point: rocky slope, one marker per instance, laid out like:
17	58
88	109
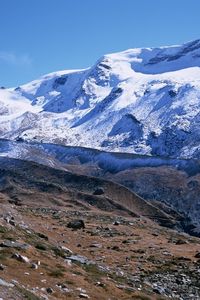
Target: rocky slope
143	101
110	252
172	182
19	180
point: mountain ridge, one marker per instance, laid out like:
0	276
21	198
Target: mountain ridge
172	182
143	101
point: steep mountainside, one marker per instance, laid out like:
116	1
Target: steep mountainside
175	183
143	101
19	180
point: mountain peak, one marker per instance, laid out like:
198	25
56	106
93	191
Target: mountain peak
157	88
160	59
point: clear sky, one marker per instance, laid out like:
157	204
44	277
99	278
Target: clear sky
42	36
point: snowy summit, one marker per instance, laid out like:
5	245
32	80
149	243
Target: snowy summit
144	101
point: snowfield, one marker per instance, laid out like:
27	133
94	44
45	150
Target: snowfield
142	101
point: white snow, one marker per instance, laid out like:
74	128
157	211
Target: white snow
144	101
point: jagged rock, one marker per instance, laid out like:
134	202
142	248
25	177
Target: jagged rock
166	253
155	234
10	220
63	287
76	224
12	244
42	236
158	290
34	266
98	192
84	296
49	290
96	245
6	284
21	258
116	248
80	259
116	223
180	242
67	250
2	267
101	284
197	255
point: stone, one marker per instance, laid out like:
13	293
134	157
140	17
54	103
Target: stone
159	290
67	250
68	261
34	266
63	287
155	234
2	267
76	224
12	222
180	242
80	259
101	284
197	255
116	223
42	236
116	248
12	244
21	258
98	192
49	290
5	283
7	219
84	296
96	245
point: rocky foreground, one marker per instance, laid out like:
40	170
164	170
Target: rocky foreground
77	252
69	236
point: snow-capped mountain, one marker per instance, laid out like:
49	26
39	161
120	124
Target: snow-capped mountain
144	101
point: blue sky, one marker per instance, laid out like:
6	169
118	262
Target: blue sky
41	36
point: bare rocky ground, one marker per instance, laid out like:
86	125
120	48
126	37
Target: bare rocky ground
115	254
113	257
